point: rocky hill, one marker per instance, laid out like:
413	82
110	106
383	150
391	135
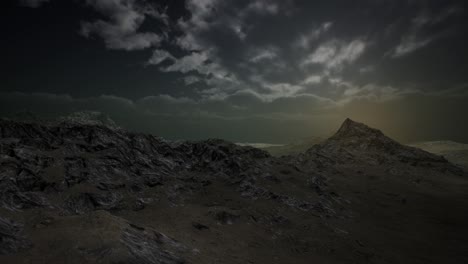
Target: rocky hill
75	192
357	143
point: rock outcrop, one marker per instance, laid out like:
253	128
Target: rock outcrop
87	192
357	143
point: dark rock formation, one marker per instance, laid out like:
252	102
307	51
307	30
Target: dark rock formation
87	192
357	143
11	237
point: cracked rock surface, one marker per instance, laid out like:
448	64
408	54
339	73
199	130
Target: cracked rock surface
81	192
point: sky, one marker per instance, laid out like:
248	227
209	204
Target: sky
270	71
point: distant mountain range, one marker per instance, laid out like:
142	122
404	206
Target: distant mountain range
452	151
76	118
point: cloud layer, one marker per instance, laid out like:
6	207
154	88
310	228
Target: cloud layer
270	60
279	121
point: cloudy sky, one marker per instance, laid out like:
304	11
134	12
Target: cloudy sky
248	71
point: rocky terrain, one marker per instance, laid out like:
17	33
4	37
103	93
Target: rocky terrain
81	192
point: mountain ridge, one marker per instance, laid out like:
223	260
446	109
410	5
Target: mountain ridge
110	195
357	142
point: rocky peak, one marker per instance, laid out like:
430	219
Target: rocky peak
356	142
350	129
355	135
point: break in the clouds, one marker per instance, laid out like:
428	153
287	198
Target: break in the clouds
309	56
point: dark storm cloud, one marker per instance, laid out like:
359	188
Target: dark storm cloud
124	18
301	62
420	34
282	48
278	50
